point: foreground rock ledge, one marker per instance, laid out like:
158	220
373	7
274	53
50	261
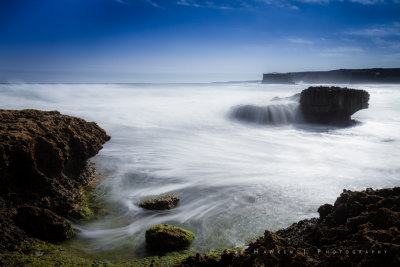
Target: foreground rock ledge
360	229
43	166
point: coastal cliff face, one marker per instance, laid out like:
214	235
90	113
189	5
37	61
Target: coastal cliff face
360	229
350	76
44	164
278	78
332	105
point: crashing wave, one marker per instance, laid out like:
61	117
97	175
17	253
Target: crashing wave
272	114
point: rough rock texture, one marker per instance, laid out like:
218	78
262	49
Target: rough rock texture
168	237
360	229
332	105
160	203
43	165
43	223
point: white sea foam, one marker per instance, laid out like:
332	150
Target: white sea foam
235	179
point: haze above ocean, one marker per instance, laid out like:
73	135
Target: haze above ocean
235	179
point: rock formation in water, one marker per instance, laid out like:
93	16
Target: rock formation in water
348	76
163	202
332	105
360	229
166	237
44	164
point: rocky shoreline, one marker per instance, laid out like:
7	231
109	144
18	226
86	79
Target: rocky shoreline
45	164
360	229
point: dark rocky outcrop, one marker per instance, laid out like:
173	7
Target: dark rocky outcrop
342	76
160	203
44	164
168	237
332	105
318	104
360	229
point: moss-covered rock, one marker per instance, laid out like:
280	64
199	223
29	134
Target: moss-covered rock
161	202
43	254
168	237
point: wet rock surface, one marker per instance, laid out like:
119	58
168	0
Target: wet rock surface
332	105
160	203
168	237
360	229
44	163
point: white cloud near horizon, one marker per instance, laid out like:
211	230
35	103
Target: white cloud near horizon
299	41
345	49
341	51
392	29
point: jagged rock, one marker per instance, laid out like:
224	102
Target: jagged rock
360	229
44	163
160	203
332	105
324	210
168	237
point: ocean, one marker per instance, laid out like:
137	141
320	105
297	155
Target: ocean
235	178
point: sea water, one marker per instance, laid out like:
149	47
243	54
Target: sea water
235	178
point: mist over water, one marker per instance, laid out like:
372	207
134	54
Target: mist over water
271	114
235	179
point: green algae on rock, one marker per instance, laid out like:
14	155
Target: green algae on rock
168	237
39	253
163	202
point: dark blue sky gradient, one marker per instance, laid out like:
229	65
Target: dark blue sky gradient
191	40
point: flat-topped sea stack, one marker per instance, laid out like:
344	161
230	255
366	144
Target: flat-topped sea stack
44	164
332	105
341	76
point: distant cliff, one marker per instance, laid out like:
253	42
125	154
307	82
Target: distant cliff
348	76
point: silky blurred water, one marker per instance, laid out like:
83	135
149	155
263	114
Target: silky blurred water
235	179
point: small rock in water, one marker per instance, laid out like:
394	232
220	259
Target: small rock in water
39	253
168	237
160	203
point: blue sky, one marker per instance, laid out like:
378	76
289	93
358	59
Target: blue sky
192	40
